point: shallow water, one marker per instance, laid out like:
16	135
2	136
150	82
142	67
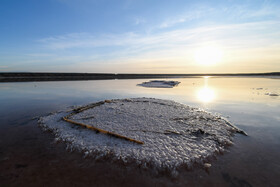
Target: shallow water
29	156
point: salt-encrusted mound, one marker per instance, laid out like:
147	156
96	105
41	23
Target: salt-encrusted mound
160	84
174	134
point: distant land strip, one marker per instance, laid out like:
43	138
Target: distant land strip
30	77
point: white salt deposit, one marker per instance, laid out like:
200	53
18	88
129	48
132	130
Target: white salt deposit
160	84
273	94
174	135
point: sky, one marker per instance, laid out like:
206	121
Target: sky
140	36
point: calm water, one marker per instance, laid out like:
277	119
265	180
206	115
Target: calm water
29	156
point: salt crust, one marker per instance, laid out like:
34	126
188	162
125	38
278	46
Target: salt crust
159	84
174	135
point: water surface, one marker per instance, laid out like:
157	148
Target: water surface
29	156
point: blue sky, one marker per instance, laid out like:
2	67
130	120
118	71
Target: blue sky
138	36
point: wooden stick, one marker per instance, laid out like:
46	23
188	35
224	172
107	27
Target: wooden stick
100	130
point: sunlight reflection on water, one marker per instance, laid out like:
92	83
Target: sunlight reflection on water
206	94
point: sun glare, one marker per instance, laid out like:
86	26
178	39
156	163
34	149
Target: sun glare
208	55
206	95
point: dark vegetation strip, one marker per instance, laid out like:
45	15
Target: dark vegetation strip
25	77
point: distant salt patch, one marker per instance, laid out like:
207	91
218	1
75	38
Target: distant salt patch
160	84
271	94
174	135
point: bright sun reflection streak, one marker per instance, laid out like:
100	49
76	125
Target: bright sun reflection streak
206	94
208	55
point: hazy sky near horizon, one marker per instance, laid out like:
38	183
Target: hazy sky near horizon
139	36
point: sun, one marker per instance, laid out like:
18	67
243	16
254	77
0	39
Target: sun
208	55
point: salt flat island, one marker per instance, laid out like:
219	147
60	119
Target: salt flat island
161	135
159	84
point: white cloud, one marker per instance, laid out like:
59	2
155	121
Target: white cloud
139	20
40	55
243	43
236	33
245	12
185	17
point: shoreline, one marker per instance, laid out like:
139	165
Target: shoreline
38	77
